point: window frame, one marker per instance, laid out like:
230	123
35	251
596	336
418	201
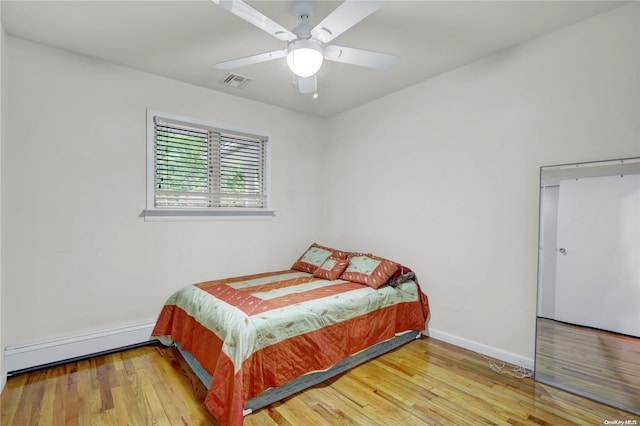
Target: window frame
153	213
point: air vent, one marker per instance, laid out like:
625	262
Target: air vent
236	81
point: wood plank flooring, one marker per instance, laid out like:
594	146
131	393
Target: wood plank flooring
594	363
424	382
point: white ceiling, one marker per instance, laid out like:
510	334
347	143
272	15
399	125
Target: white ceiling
183	40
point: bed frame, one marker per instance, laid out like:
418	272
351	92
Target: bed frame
308	380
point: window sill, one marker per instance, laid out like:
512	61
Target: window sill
190	215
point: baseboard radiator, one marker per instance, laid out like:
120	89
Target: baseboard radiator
18	359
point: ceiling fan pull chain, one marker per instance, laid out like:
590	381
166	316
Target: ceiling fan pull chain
315	89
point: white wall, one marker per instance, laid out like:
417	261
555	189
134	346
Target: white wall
2	311
77	254
444	175
548	253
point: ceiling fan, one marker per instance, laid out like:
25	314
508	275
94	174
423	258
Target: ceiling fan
307	47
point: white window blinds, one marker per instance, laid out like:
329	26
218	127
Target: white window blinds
201	167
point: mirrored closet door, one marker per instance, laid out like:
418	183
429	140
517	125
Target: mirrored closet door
588	325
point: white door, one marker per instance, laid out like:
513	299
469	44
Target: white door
598	254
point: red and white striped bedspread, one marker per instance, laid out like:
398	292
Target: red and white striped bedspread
259	331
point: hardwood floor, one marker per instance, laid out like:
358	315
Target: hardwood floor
424	382
594	363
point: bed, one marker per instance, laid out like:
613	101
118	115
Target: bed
258	338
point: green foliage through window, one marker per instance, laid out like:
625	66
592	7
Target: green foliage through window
204	168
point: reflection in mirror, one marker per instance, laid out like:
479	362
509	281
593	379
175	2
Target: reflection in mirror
588	325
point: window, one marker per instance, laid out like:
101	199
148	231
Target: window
199	170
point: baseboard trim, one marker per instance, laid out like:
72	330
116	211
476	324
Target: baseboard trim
18	358
481	348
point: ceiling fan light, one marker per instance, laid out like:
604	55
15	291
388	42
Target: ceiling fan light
304	58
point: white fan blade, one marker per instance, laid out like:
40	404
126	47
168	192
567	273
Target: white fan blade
307	84
253	16
250	60
364	58
345	16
